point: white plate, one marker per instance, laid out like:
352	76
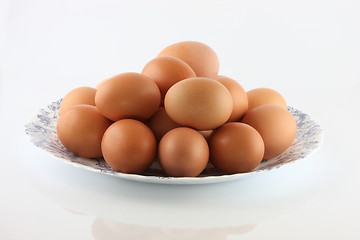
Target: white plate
42	133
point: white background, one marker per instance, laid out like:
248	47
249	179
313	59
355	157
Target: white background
307	50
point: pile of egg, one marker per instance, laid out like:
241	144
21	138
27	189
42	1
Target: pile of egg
180	110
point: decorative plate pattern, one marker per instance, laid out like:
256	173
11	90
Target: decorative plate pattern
42	132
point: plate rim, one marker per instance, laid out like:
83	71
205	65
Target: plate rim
176	180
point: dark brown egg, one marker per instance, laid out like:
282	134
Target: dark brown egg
183	152
206	133
236	148
128	146
80	130
161	123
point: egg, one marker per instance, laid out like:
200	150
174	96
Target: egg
276	126
80	95
166	71
206	133
183	152
239	96
180	112
128	95
128	146
263	96
200	57
161	123
101	83
200	103
81	128
236	148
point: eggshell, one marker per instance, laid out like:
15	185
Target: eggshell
128	95
276	126
161	123
128	146
81	95
200	57
81	128
262	96
166	71
101	83
200	103
236	148
206	133
239	96
183	152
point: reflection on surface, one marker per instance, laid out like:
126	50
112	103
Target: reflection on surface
131	210
110	230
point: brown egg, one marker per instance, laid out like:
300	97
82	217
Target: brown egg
200	103
161	123
81	95
236	148
276	126
128	146
206	134
101	83
183	152
128	95
239	96
200	57
263	96
166	71
80	130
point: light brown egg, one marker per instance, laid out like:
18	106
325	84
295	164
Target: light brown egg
276	126
183	152
81	95
239	96
200	103
101	83
200	57
236	148
80	130
263	96
166	71
128	146
128	95
161	123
